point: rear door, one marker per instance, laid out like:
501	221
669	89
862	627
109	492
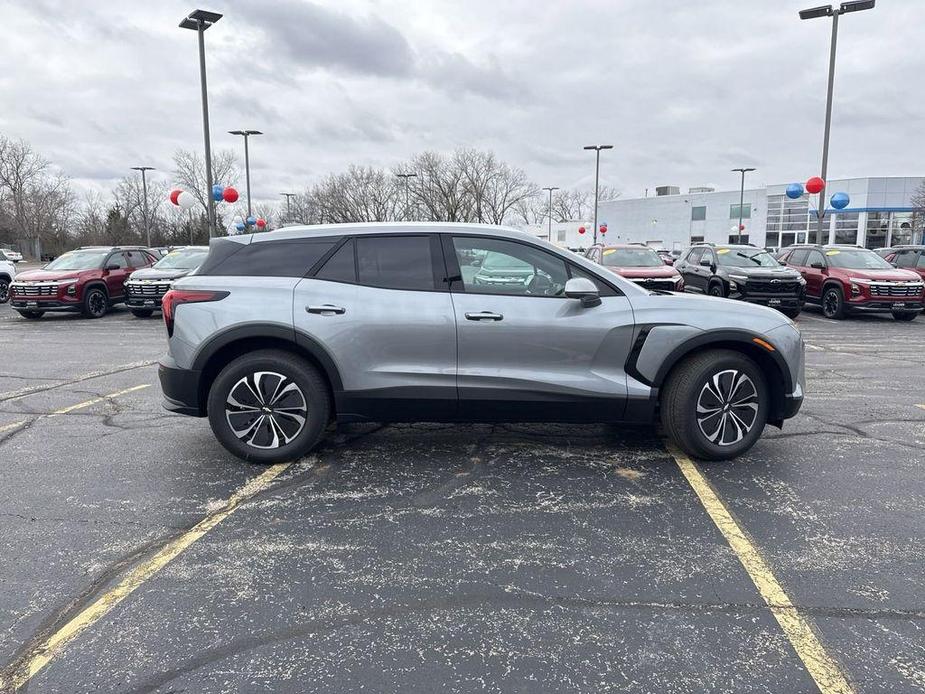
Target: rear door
526	352
379	306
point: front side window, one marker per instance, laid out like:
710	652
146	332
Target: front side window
921	262
138	259
118	260
856	259
798	257
631	257
906	259
395	262
695	255
815	257
88	259
496	266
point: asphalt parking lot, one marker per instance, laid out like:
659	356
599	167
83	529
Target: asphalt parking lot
138	556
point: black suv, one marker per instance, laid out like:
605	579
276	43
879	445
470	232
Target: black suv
743	272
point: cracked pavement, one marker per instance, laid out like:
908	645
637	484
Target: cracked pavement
456	558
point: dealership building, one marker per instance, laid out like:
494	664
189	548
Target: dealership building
880	213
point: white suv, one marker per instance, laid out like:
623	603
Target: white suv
7	275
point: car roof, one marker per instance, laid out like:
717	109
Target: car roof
371	228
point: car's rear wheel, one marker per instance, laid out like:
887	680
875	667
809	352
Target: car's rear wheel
32	315
269	406
905	315
715	405
833	302
96	303
142	312
4	291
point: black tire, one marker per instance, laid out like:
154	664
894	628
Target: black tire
4	291
791	312
905	315
96	303
716	289
690	385
142	312
32	315
257	444
833	302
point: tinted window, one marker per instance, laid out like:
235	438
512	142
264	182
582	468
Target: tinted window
495	266
815	257
798	257
906	259
694	256
137	259
708	255
340	267
273	258
117	259
395	262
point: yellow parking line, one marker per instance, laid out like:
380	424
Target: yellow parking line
921	407
11	426
822	668
46	651
87	403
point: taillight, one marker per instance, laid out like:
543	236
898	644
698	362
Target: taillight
175	297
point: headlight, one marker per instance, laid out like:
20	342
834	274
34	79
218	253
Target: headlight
855	289
739	278
801	281
859	280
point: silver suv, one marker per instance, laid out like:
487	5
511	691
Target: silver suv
278	334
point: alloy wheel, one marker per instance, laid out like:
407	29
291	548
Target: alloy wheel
727	407
96	303
266	410
4	292
830	303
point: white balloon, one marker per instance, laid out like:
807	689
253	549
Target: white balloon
238	220
186	200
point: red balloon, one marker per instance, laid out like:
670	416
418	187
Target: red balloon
814	185
230	195
603	228
174	194
741	227
261	223
581	230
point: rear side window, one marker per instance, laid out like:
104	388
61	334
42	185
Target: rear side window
395	262
273	258
798	257
340	267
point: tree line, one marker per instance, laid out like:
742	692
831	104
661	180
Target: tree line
41	211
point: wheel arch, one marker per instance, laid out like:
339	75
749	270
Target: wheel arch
224	348
94	284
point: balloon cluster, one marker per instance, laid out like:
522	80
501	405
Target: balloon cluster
186	200
241	224
813	186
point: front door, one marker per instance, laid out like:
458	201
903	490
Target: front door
525	351
380	308
115	278
814	276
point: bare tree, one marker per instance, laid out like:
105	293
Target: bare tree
190	172
361	194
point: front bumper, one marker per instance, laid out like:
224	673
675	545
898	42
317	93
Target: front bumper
883	306
151	302
180	388
45	305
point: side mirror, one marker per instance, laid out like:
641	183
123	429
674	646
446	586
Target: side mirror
706	262
583	289
818	266
112	266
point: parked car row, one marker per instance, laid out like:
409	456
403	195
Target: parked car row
92	279
10	255
840	279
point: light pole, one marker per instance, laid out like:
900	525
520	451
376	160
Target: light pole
597	176
199	21
741	201
288	197
247	162
550	189
404	177
834	13
144	192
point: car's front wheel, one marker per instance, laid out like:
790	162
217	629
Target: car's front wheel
96	303
715	405
905	315
833	303
269	406
4	291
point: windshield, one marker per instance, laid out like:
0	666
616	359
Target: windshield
88	259
738	257
631	257
856	259
182	259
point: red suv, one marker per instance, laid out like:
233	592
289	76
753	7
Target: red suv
639	264
846	279
88	280
906	258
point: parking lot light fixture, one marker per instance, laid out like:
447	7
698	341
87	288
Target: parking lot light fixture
597	171
743	171
550	189
144	204
834	13
288	197
199	21
247	161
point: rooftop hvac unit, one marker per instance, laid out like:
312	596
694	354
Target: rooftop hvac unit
667	190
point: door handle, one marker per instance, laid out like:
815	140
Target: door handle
326	310
484	315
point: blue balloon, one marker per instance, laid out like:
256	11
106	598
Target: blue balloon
252	220
217	191
239	226
840	201
794	190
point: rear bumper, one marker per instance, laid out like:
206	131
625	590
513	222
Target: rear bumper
180	388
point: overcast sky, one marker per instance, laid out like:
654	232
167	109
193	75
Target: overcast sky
683	90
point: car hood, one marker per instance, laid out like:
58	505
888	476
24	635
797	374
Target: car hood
665	271
152	273
47	275
705	312
781	273
894	275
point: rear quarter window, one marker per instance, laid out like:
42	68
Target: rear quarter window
270	258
